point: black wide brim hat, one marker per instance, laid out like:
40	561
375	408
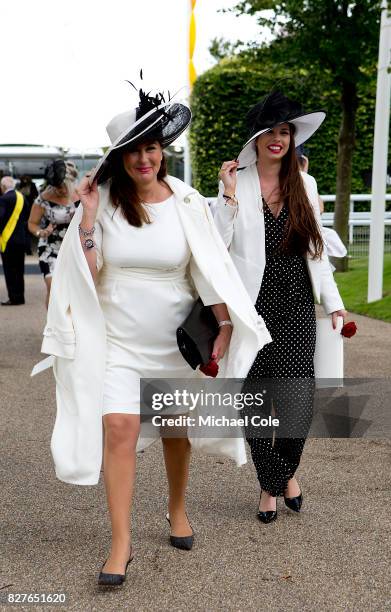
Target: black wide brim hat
274	110
153	119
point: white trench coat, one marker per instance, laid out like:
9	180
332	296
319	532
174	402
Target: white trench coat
243	232
76	338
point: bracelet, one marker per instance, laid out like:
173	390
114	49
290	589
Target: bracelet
86	233
38	233
222	323
88	244
232	198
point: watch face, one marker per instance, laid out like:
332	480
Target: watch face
89	244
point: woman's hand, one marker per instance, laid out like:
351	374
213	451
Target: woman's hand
221	343
89	195
44	233
227	175
336	314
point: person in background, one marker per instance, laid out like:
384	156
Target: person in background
27	186
51	215
12	240
302	158
333	243
268	216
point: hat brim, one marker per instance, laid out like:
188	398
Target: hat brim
139	131
306	125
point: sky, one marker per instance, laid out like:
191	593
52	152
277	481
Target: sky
67	62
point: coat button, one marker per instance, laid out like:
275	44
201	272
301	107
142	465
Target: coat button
187	200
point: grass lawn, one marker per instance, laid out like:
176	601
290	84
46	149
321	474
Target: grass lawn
353	287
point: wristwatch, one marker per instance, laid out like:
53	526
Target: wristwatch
88	244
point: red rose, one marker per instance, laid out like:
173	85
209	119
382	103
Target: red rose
210	369
349	329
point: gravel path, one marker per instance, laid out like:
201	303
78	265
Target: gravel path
335	555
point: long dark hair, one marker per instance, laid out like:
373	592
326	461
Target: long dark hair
123	191
302	233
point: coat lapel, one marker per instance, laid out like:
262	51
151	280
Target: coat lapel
196	225
210	253
252	230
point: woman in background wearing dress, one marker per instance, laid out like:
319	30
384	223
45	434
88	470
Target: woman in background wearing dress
51	215
268	216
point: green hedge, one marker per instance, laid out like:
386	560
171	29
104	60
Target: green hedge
222	96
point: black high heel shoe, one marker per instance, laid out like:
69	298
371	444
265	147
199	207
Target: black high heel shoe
294	503
267	516
181	542
105	579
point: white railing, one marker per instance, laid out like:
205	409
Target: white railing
355	218
358	239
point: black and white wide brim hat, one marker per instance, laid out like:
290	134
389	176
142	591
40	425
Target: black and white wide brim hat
152	119
276	109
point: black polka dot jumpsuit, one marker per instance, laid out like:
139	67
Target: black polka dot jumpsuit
286	303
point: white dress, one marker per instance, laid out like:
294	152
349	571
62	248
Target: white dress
145	294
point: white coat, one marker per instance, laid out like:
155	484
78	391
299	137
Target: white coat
243	231
75	335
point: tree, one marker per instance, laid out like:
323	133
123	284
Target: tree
222	96
220	48
338	36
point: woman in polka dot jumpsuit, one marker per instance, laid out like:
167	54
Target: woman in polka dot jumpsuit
284	226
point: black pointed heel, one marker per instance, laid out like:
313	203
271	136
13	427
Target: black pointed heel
267	516
181	542
105	579
294	503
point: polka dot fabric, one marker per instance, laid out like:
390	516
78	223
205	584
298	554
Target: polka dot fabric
286	303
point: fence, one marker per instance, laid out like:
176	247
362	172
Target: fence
359	224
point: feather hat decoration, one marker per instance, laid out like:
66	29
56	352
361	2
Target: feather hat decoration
146	101
155	118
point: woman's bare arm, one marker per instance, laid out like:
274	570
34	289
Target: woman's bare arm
89	198
86	224
34	222
222	341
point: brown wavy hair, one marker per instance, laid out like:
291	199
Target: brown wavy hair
123	191
302	233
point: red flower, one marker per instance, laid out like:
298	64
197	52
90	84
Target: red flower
349	329
210	369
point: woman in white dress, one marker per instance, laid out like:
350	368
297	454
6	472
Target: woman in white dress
134	242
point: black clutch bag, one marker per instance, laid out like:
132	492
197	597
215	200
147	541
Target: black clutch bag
196	335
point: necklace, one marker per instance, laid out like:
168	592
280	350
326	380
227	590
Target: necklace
159	190
274	207
155	203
